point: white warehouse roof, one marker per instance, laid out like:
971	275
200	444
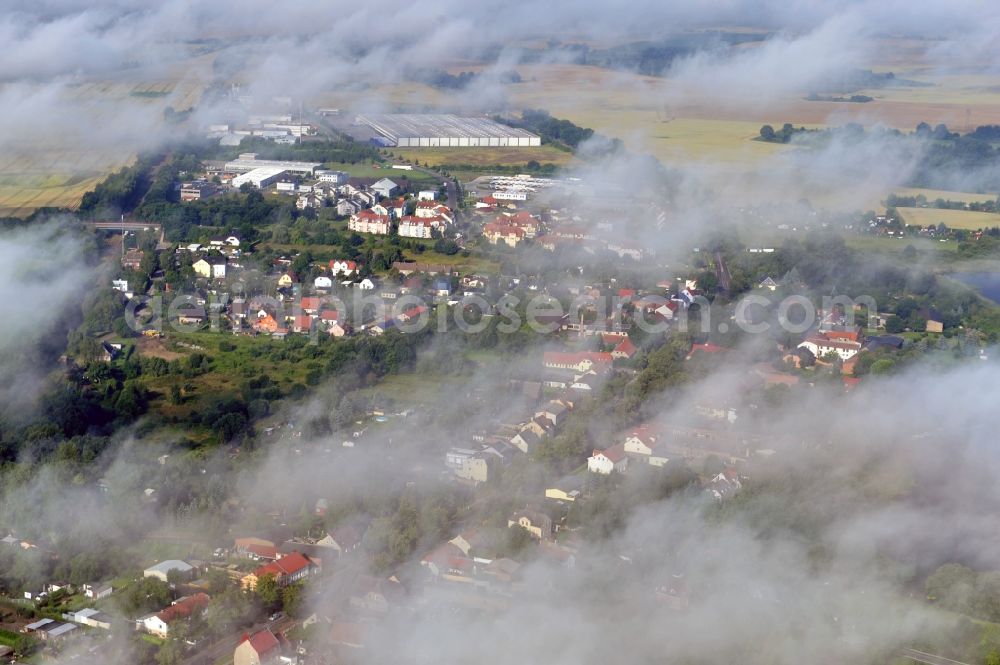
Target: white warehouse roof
428	129
258	176
165	567
251	164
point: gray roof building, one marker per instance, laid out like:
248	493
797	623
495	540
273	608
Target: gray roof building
385	187
162	569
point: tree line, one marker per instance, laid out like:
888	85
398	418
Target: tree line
943	159
559	131
439	78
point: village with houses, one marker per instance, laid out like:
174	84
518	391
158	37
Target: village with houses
500	333
718	442
595	401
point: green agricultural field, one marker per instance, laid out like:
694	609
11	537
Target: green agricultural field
480	157
470	163
361	170
887	245
954	219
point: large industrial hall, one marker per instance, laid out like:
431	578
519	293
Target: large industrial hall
406	130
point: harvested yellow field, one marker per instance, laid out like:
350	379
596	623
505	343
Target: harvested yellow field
955	219
20	195
935	194
53	172
565	90
632	106
403	95
964	89
52	178
687	139
616	104
662	117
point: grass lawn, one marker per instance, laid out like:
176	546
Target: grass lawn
166	543
955	219
479	157
897	245
76	602
483	356
316	250
249	357
369	170
471	263
119	583
412	388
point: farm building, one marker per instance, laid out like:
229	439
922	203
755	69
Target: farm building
162	570
406	130
385	188
90	617
49	630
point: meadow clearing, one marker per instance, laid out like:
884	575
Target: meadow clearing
545	154
896	246
375	170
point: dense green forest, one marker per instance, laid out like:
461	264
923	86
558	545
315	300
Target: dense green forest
121	190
